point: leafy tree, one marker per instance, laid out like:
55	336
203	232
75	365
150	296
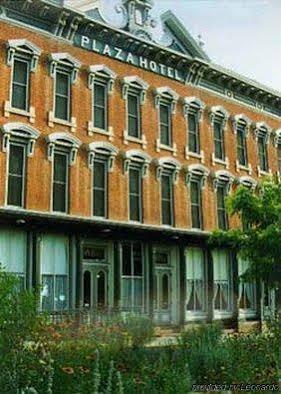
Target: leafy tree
259	238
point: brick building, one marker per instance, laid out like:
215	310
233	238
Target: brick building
117	153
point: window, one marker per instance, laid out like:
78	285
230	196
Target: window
221	208
262	150
241	146
60	182
219	140
133	115
13	253
20	84
196	204
132	280
193	133
167	199
100	188
135	192
247	291
222	282
100	105
279	157
165	124
54	273
16	178
134	92
62	95
195	282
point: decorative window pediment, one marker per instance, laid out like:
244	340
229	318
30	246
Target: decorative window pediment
223	178
218	113
165	93
19	131
261	129
167	164
102	148
64	61
24	48
136	83
241	121
65	141
193	105
136	157
196	172
277	138
249	182
100	71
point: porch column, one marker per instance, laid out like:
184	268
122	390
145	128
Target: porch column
182	284
210	286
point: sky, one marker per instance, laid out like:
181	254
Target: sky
243	35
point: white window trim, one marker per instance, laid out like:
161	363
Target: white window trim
137	84
26	51
198	315
261	129
59	62
193	105
166	95
219	112
167	164
237	120
249	182
17	132
101	73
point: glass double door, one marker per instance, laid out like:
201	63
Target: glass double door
95	287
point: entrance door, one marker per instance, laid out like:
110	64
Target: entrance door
162	288
95	283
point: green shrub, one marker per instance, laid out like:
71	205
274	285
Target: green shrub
140	330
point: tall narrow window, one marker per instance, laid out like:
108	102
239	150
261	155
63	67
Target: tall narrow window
100	188
195	282
165	124
222	282
60	182
193	133
135	191
133	115
100	105
196	203
241	146
219	140
132	277
62	95
167	199
247	291
262	150
20	84
279	157
16	178
221	208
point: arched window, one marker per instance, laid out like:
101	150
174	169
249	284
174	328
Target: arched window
193	109
18	142
62	152
136	166
166	101
218	118
101	157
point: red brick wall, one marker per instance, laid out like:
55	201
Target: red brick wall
39	168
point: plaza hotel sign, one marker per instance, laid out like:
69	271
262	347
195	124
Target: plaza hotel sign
128	57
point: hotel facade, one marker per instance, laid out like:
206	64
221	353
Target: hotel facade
117	153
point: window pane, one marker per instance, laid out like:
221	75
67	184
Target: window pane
61	292
19	97
126	260
165	185
60	167
222	215
99	203
165	125
262	153
99	118
218	139
164	114
47	293
195	300
16	175
62	96
133	127
99	95
62	84
99	174
60	187
100	188
222	281
133	105
193	137
59	199
61	111
137	259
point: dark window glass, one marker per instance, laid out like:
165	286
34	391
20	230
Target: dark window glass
100	106
135	194
262	148
196	204
20	91
60	182
62	100
167	199
165	124
219	140
241	147
100	188
133	115
221	208
16	175
193	133
279	157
